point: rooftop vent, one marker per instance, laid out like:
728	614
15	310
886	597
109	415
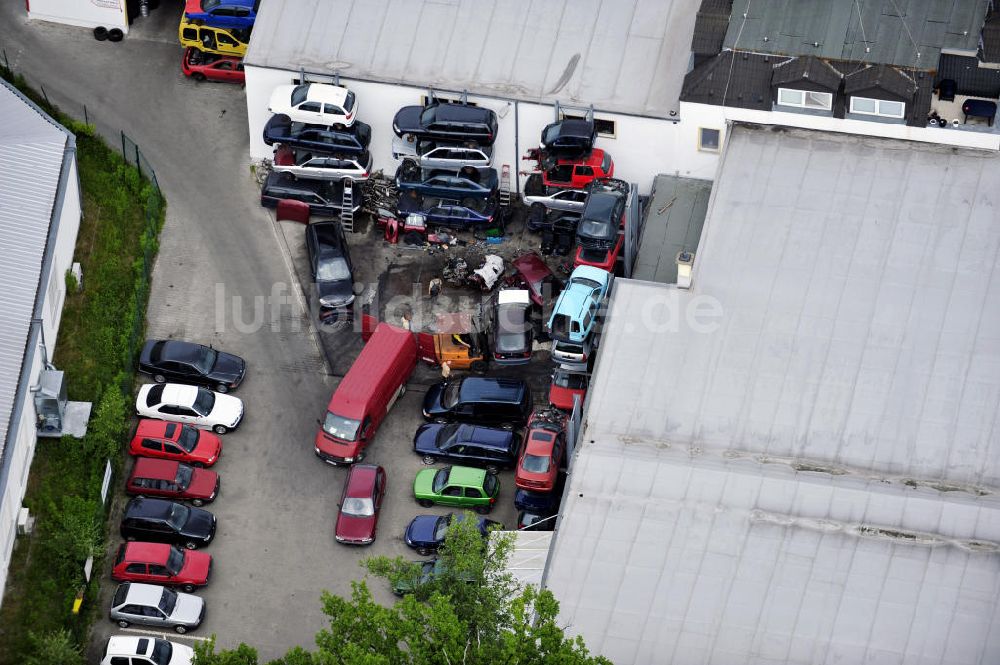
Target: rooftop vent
685	261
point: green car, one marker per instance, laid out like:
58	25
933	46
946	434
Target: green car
457	486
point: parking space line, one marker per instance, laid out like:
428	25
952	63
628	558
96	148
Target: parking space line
166	636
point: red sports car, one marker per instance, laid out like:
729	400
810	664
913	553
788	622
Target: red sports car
173	441
577	173
158	563
565	385
360	504
599	258
542	453
172	480
201	66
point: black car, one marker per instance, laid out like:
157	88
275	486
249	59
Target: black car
330	263
602	214
426	533
161	521
467	186
535	521
186	362
482	400
572	138
316	138
469	445
447	122
447	212
325	197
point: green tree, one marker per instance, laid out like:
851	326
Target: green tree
54	648
205	654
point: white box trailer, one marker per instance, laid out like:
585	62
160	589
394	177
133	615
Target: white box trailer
85	13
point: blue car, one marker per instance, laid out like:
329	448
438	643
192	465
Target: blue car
468	183
468	445
575	313
426	532
238	14
353	140
444	212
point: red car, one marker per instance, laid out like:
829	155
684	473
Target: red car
172	480
360	504
577	173
158	563
542	452
599	258
565	385
173	441
541	284
201	66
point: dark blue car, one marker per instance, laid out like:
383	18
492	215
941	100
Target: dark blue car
239	14
468	445
426	532
444	212
353	140
469	183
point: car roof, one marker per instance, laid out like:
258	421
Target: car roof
480	388
158	429
513	297
590	272
486	436
574	299
178	350
463	113
360	479
147	507
532	266
178	393
326	93
576	127
144	594
467	476
152	467
328	232
149	552
119	645
535	445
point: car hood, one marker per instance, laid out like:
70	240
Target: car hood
203	483
196	565
277	129
209	446
200	524
188	609
423	484
432	400
425	439
228	368
182	655
355	528
228	410
407	120
281	98
334	293
420	532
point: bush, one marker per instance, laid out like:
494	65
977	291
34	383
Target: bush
54	648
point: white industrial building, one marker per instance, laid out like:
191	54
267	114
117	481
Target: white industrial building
797	459
626	58
39	219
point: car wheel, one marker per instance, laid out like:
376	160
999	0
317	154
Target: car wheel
180	630
222	388
197	502
115	35
159	378
123	624
492	469
187	588
198	76
429	459
479	366
191	546
100	33
220	429
425	503
423	551
483	510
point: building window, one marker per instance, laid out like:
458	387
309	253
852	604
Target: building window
605	128
879	107
708	139
425	100
804	99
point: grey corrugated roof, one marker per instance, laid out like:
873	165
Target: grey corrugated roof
816	479
807	68
628	56
882	77
674	219
31	156
907	33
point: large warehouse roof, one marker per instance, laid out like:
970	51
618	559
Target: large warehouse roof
628	56
31	157
797	460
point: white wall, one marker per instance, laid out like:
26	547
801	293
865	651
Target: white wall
85	13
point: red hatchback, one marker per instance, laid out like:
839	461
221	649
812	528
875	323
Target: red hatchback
173	441
172	480
201	66
577	173
565	385
360	504
542	453
605	259
158	563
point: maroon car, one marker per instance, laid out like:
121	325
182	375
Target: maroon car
200	66
360	504
542	285
172	480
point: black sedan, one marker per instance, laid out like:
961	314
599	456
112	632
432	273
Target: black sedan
186	362
161	521
470	445
469	183
446	212
447	122
353	140
603	214
426	532
332	270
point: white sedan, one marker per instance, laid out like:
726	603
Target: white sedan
315	104
189	404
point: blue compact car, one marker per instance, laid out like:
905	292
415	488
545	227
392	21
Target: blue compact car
238	14
426	532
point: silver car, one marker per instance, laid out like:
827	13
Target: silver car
431	155
154	605
572	356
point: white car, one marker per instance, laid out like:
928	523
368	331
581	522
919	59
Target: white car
304	164
432	155
189	404
315	104
566	200
145	650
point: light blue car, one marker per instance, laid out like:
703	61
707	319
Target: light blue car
575	313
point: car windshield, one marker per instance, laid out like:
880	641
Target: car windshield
358	507
163	651
175	561
342	428
168	601
188	440
299	94
551	133
179	514
445	435
183	478
594	228
589	283
511	342
349	101
567	380
440	480
204	402
451	393
441	528
206	360
332	270
208	5
428	115
535	464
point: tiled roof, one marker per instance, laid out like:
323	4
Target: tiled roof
807	68
880	77
732	78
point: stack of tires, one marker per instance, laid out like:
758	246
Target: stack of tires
103	34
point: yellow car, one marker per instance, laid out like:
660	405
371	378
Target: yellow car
222	41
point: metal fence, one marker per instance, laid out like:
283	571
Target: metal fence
133	155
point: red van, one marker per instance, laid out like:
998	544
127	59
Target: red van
365	394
